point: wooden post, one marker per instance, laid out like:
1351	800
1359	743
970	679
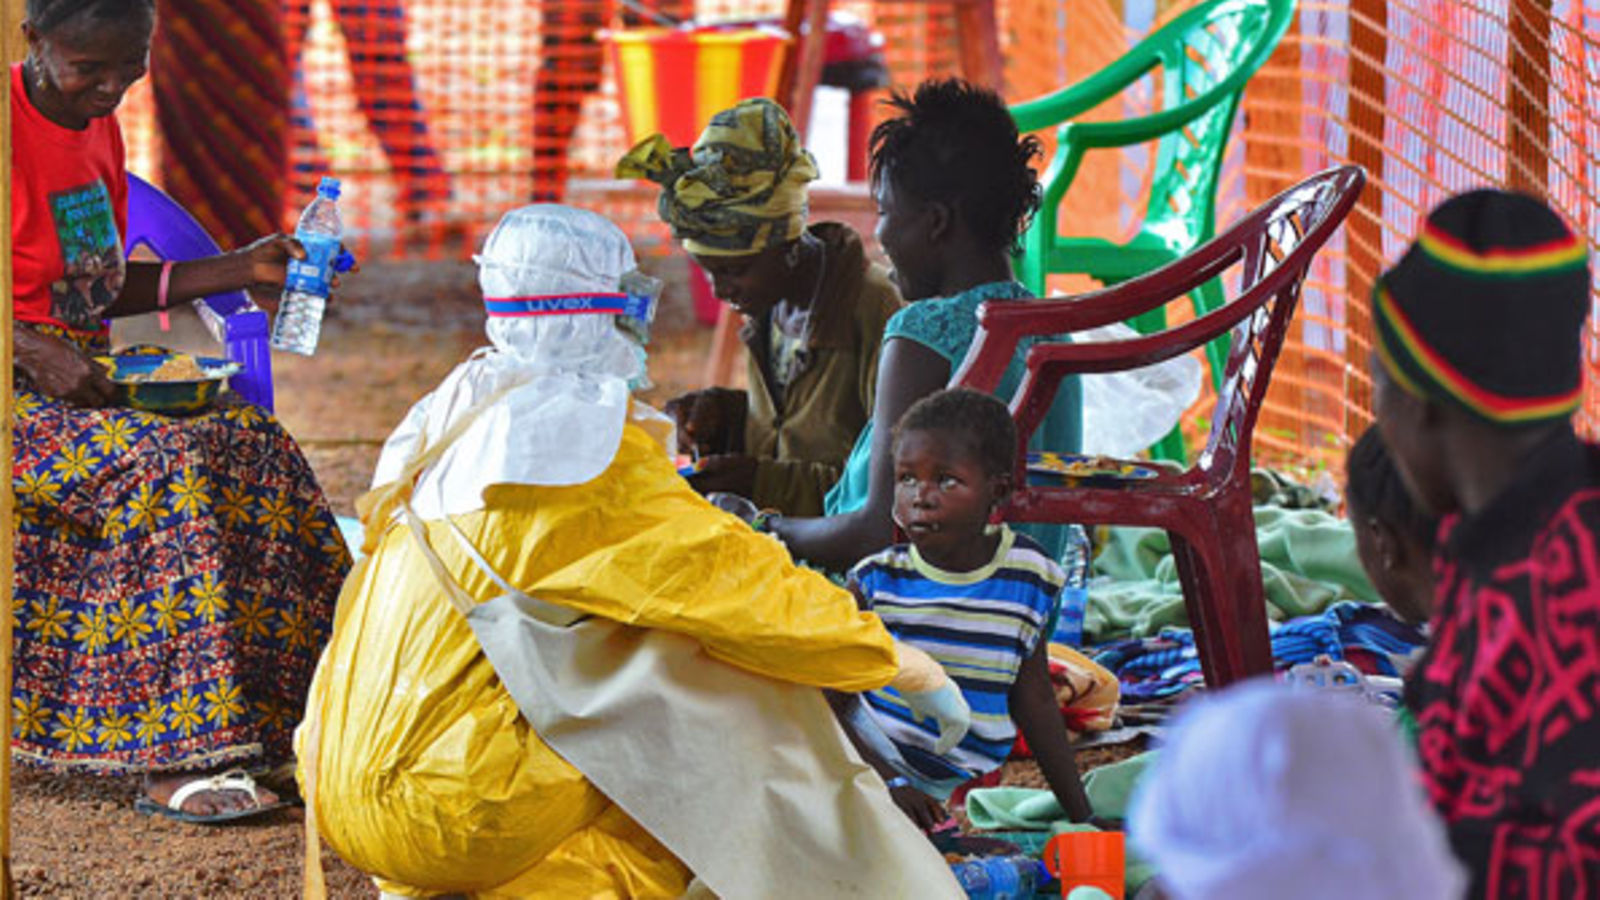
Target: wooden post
13	48
981	63
1369	44
1528	52
797	84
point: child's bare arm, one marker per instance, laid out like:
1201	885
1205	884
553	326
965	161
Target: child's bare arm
863	602
1033	708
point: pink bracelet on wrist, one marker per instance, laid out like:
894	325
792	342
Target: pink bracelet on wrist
161	294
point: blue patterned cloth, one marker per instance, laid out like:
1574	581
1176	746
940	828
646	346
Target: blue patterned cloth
1365	635
175	582
947	326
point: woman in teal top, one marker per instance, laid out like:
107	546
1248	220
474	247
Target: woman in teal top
955	187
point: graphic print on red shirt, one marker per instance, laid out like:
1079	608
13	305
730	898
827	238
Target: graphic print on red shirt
69	210
91	249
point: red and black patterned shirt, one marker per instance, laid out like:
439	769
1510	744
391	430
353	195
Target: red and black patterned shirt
1507	696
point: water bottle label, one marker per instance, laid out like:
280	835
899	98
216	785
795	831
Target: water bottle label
311	275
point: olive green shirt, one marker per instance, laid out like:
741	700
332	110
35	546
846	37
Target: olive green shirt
801	441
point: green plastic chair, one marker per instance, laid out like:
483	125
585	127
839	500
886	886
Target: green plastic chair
1206	56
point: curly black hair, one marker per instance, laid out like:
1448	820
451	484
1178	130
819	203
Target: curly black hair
1373	487
954	142
47	16
979	419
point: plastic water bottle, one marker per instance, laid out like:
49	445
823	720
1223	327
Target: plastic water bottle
1000	878
305	289
1075	592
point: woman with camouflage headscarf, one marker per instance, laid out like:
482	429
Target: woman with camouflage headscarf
814	308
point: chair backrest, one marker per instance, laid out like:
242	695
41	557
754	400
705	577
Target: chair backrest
159	224
1207	57
1273	246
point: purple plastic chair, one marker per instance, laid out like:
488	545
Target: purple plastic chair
158	223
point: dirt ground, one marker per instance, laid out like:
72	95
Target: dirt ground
396	330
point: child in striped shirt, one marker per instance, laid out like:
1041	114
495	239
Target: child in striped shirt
979	598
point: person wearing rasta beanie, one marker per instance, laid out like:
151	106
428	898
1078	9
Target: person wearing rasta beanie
1477	370
1486	309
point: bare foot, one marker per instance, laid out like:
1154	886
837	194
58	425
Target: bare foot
205	802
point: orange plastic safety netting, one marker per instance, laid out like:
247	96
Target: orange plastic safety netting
441	114
1432	97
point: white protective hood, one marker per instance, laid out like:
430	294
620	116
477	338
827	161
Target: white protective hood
551	396
1265	791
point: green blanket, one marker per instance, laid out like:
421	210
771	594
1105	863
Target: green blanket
1308	563
1017	812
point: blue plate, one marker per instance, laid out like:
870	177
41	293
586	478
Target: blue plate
171	397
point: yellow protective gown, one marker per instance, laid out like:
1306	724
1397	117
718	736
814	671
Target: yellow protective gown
428	777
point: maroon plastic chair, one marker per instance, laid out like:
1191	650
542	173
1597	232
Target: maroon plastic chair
1205	509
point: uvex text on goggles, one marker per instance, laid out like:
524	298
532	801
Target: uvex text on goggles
633	304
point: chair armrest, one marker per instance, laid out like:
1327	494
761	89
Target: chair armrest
1052	360
1118	303
1001	326
1140	129
1074	100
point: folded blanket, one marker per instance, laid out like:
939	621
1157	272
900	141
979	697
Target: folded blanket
1308	563
1086	691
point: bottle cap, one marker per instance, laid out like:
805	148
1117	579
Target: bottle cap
329	187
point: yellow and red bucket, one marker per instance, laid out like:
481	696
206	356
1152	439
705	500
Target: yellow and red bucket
673	80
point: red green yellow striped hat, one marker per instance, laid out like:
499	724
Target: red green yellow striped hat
1486	310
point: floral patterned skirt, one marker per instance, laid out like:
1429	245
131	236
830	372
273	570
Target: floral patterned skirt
175	582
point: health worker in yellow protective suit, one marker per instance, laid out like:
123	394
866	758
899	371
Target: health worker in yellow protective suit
559	672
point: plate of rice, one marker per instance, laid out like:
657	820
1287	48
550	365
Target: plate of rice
165	382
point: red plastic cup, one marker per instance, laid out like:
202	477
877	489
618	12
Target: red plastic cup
1087	858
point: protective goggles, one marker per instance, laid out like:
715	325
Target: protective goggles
633	304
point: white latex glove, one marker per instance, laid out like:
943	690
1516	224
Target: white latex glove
945	706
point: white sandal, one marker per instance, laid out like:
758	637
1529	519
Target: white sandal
237	780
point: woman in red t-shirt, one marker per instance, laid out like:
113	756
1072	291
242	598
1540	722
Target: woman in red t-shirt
175	577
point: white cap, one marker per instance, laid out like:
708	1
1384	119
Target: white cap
1269	791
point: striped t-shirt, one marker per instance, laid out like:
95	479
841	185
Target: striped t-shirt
979	625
